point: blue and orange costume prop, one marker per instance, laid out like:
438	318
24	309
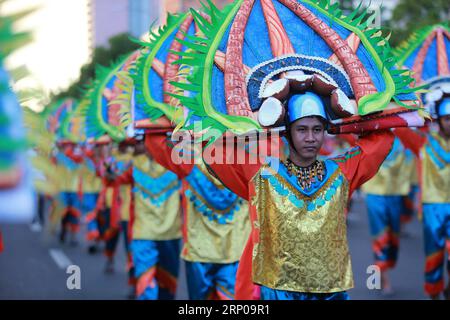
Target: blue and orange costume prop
215	227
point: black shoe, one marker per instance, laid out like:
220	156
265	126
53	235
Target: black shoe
92	249
132	294
62	236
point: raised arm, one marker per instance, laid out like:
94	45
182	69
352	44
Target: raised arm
411	139
125	178
70	153
236	163
161	149
362	162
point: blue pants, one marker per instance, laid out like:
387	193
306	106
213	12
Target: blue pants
72	211
211	281
436	229
156	265
384	222
89	202
273	294
88	210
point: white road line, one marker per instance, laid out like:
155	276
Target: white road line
60	258
36	227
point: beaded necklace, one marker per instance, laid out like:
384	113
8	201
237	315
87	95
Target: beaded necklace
306	176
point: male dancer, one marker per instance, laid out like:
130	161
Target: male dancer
216	223
298	247
385	200
156	230
433	150
92	185
69	159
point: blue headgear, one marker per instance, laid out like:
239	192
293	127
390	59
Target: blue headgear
443	109
306	105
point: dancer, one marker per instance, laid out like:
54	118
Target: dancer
434	151
216	222
385	200
302	252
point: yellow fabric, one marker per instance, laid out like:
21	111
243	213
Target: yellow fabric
392	179
414	173
125	195
48	184
153	222
435	181
123	157
125	190
91	183
300	250
70	179
109	196
211	242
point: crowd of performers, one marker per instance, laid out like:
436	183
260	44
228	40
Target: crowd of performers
272	226
164	210
133	190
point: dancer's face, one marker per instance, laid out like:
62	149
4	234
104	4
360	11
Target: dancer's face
444	125
307	136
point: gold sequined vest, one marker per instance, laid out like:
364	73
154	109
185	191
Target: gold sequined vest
217	220
302	238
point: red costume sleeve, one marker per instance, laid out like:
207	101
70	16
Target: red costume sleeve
78	158
160	148
124	178
411	140
349	138
235	166
237	176
362	162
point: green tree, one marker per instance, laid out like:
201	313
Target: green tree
410	15
118	46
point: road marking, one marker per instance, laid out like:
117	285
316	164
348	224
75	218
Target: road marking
36	227
60	258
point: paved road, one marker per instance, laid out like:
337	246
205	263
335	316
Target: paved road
33	265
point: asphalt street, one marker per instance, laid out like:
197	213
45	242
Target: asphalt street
34	264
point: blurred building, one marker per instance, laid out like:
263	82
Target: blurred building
109	18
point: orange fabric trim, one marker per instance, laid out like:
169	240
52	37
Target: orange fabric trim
166	280
147	279
434	261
